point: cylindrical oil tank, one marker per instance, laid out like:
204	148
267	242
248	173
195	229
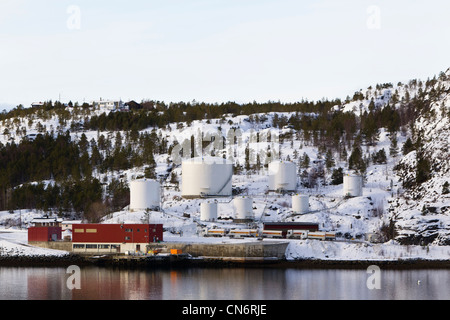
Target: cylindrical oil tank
243	208
300	203
353	184
282	176
210	176
208	211
144	194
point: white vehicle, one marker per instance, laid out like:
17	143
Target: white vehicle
330	235
317	235
297	234
272	234
241	233
214	233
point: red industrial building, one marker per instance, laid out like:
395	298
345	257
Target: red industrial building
115	238
44	234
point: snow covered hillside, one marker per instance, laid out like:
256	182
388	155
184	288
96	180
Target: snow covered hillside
394	206
422	213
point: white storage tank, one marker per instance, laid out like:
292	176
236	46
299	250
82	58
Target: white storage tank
208	211
353	184
144	194
282	176
300	203
210	176
243	208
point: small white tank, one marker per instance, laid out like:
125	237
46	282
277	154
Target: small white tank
300	203
353	184
243	208
208	211
144	194
282	176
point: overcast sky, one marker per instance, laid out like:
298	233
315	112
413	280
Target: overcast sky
215	50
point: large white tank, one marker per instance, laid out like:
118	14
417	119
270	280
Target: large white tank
282	176
144	194
300	203
206	177
353	184
243	208
208	211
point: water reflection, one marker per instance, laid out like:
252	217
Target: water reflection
221	284
33	284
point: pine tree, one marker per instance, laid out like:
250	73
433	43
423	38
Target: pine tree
304	161
393	149
356	161
337	177
423	168
83	144
174	178
445	188
408	146
149	172
247	158
369	128
329	161
379	157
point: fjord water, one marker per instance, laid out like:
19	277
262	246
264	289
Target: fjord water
221	284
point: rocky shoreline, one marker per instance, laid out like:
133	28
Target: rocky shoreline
174	262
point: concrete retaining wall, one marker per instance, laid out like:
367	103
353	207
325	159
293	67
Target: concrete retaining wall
222	250
239	250
55	245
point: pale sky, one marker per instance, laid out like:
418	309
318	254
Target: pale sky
215	50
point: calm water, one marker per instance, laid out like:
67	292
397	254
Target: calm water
221	284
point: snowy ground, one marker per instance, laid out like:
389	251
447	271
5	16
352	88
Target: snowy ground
13	242
352	218
348	251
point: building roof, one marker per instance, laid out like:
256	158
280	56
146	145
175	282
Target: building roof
71	221
290	223
44	219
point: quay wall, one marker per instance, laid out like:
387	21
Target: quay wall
238	250
234	250
54	245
